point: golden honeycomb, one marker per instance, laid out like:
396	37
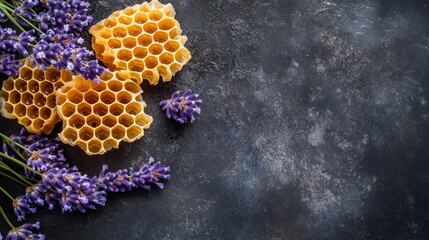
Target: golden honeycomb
97	117
143	41
30	97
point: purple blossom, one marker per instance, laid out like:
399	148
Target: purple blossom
21	206
9	65
182	107
25	232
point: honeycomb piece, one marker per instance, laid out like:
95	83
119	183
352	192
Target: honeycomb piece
97	117
143	41
30	97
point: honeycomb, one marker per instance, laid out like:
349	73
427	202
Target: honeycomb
30	97
97	117
143	41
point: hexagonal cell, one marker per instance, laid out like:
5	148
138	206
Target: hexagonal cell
116	109
145	7
82	85
155	15
84	109
38	74
171	46
151	62
20	110
118	132
86	133
66	89
134	132
32	112
100	109
134	30
164	72
141	120
66	75
174	32
45	113
39	99
52	75
91	97
99	87
94	146
109	121
38	124
134	108
119	32
155	49
136	65
70	134
114	43
74	96
15	97
150	27
93	121
110	22
109	144
33	86
126	120
8	85
51	102
140	17
140	52
125	54
8	107
125	20
132	87
129	11
166	58
68	109
107	97
144	39
26	73
148	74
58	85
76	121
115	85
124	97
26	122
166	24
175	67
181	56
129	42
102	133
106	33
46	87
21	85
81	144
160	36
121	64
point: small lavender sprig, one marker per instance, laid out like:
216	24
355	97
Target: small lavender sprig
25	232
182	107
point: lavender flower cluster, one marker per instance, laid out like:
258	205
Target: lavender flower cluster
24	232
60	24
69	188
182	107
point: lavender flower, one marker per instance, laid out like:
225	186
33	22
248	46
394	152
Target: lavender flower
21	206
182	107
8	64
24	232
10	43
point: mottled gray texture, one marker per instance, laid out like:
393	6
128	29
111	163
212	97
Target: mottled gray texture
315	125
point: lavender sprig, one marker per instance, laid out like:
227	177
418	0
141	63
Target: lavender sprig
25	232
182	107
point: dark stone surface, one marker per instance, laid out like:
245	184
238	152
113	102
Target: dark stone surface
315	125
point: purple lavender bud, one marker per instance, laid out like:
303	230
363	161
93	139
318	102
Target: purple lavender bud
21	206
36	194
181	108
24	232
9	65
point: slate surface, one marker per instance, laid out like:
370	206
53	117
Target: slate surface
315	125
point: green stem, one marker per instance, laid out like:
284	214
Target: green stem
19	163
6	218
8	4
3	8
13	178
17	144
22	18
14	149
4	166
6	193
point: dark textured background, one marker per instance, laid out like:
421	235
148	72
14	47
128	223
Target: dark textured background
315	125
